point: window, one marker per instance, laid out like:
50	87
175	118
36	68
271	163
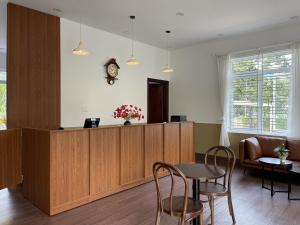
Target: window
260	92
2	100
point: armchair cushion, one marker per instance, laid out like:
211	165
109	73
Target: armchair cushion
268	144
294	149
253	148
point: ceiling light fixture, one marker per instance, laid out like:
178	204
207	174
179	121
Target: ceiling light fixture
80	51
168	68
179	14
56	10
132	61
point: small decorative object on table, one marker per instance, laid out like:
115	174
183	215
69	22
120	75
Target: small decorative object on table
128	112
282	152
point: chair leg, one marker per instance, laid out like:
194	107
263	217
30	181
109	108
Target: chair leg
230	206
181	221
212	209
201	219
245	169
157	221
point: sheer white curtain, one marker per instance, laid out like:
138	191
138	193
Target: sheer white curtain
294	104
224	87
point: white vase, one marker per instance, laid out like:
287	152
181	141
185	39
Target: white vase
282	159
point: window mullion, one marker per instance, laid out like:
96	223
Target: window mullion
260	94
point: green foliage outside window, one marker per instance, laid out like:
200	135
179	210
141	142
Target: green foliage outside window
2	106
2	100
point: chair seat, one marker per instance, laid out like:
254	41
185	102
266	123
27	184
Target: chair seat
193	207
212	188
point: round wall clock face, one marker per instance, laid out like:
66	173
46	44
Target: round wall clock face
112	70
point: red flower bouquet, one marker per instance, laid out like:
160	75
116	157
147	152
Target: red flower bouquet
128	112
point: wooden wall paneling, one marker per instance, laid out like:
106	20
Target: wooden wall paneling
132	154
172	143
36	167
154	146
104	160
33	69
69	169
10	158
187	142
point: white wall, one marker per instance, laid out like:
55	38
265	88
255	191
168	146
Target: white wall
84	90
194	89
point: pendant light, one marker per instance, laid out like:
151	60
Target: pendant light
168	68
132	61
80	51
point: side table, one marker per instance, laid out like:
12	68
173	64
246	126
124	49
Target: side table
295	171
273	162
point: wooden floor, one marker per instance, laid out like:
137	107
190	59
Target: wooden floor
252	205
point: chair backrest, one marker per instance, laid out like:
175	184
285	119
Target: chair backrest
229	161
171	170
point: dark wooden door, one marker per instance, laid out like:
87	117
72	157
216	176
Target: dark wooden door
158	101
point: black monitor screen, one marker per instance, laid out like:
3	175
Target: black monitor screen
91	122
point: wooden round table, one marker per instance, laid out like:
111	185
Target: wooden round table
273	162
197	171
295	171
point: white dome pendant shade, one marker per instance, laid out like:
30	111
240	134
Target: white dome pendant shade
132	61
80	51
168	68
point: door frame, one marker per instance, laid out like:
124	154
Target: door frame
166	95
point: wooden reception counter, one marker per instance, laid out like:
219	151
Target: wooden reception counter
64	169
10	158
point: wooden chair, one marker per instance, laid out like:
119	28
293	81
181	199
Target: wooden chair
179	206
213	189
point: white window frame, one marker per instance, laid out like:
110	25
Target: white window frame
259	74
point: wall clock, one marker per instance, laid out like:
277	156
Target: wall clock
112	71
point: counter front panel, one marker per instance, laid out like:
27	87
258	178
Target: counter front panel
82	165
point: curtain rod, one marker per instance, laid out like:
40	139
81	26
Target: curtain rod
258	48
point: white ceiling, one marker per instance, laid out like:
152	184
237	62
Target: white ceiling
203	19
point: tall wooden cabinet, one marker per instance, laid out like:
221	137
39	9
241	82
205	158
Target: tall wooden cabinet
33	68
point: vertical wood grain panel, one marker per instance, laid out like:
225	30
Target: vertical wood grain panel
172	143
33	69
10	158
104	160
154	146
69	167
132	154
36	167
187	142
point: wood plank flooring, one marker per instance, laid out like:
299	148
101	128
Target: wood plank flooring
137	206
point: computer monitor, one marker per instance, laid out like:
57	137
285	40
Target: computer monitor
91	122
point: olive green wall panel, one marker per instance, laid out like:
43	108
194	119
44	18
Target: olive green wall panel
208	135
